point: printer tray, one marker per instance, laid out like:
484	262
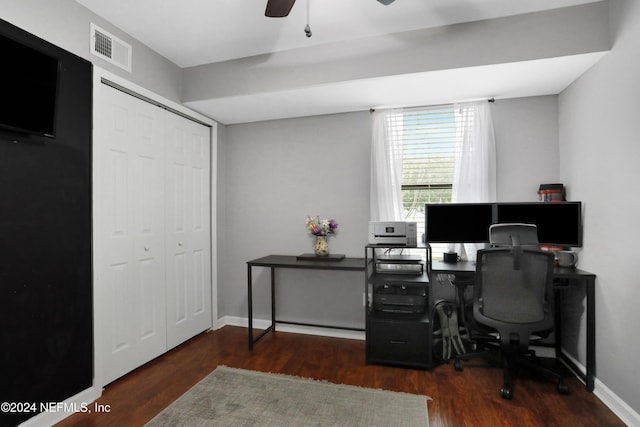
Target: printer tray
400	299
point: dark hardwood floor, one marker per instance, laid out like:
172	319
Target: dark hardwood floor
468	398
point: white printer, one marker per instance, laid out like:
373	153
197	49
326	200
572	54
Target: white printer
393	233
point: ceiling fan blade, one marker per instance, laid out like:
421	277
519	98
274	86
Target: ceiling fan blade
386	2
278	8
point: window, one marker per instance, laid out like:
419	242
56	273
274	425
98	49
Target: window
429	144
432	155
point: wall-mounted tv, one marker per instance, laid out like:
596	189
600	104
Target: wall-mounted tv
458	222
28	89
559	223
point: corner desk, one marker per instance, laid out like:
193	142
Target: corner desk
563	277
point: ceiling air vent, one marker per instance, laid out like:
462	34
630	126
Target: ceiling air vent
110	48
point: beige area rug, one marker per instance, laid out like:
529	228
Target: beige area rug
237	397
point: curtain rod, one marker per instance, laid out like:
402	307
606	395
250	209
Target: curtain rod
491	100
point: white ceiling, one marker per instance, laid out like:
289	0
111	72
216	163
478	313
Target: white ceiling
196	32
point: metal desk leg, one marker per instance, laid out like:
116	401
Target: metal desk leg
250	304
589	376
557	321
272	327
591	332
273	298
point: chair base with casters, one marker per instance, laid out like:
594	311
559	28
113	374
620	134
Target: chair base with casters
511	360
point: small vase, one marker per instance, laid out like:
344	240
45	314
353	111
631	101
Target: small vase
321	248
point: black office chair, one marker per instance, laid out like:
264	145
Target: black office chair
513	295
500	235
514	234
503	234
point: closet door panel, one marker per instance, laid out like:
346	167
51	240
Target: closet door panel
200	228
131	317
188	236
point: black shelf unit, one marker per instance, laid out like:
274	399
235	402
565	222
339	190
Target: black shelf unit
398	306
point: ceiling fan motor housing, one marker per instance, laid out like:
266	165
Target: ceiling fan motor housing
281	8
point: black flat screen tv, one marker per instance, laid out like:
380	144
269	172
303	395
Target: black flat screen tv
559	223
458	222
28	89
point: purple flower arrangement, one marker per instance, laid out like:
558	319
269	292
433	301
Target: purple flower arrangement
321	227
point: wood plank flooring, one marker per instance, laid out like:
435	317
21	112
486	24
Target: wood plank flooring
459	399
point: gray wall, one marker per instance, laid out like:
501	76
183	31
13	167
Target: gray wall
599	154
526	146
278	172
65	23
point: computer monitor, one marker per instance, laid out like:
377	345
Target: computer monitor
559	223
458	222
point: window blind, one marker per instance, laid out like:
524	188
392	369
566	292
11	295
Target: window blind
429	144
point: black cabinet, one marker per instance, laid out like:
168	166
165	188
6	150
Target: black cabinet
46	293
399	340
399	305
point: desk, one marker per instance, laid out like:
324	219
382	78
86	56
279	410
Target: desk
287	261
563	277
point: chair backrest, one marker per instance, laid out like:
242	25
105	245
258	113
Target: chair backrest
513	234
516	298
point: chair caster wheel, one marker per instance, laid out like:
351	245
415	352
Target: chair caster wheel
457	365
563	388
506	393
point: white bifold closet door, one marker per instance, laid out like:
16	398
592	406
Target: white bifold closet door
188	238
153	278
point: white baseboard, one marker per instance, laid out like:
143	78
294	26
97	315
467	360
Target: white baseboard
58	411
617	405
297	329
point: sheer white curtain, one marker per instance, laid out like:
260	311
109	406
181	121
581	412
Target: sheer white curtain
474	178
386	167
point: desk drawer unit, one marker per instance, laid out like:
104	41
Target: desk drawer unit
399	340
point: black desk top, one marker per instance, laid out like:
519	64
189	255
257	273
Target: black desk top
439	266
357	264
291	261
